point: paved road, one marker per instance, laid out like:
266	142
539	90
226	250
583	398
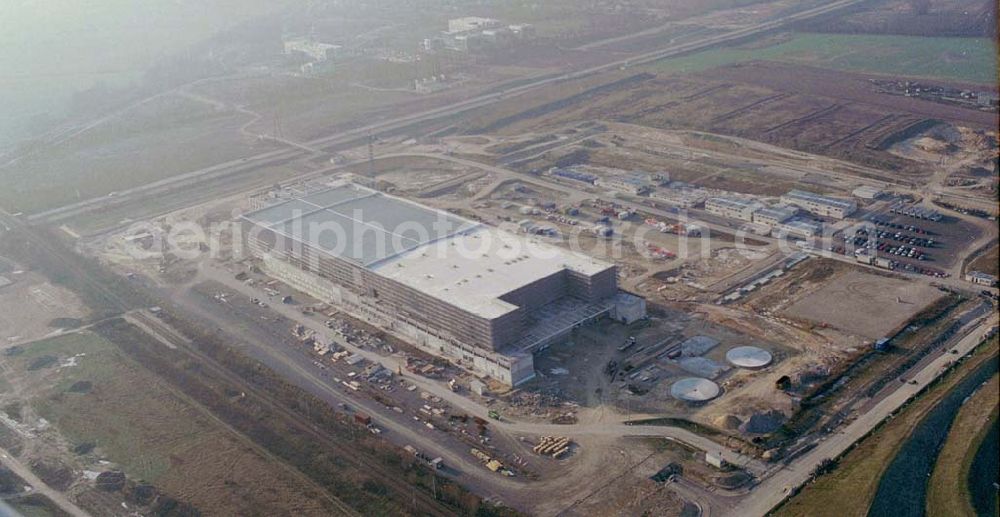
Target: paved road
775	488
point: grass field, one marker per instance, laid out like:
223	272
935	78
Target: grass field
850	488
948	491
957	59
94	394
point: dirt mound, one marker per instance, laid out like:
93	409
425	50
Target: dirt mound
81	387
734	480
931	145
142	494
728	422
764	422
84	447
111	481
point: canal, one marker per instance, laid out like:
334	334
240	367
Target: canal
902	491
983	475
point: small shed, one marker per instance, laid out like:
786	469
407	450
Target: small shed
477	386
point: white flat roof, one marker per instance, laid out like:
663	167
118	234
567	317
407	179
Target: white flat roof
473	269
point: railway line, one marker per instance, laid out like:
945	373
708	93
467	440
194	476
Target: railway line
428	504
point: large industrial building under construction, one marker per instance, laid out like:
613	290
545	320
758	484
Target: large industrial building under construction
454	287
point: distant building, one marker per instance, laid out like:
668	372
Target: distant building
471	23
867	192
978	277
522	31
628	308
682	198
773	216
715	460
820	205
798	228
634	184
733	208
573	174
314	50
987	99
498	37
473	34
488	310
477	386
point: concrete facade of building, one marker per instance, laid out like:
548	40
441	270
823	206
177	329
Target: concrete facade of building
314	50
867	192
798	228
681	198
471	23
978	277
820	205
634	184
773	216
733	208
459	288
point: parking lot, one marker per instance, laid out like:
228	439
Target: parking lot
384	402
922	242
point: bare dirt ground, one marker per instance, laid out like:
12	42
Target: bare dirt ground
864	304
31	307
630	491
813	114
963	159
848	87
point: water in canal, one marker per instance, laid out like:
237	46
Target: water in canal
902	491
983	475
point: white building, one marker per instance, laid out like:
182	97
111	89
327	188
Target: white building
482	297
683	198
798	228
733	208
867	192
313	49
471	23
522	30
978	277
820	205
634	184
773	216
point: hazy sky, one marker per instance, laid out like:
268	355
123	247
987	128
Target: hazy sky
50	48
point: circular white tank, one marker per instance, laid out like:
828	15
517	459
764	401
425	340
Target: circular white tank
749	357
694	389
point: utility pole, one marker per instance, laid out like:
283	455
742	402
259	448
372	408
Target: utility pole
371	154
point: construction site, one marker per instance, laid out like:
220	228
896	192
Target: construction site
734	336
635	278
